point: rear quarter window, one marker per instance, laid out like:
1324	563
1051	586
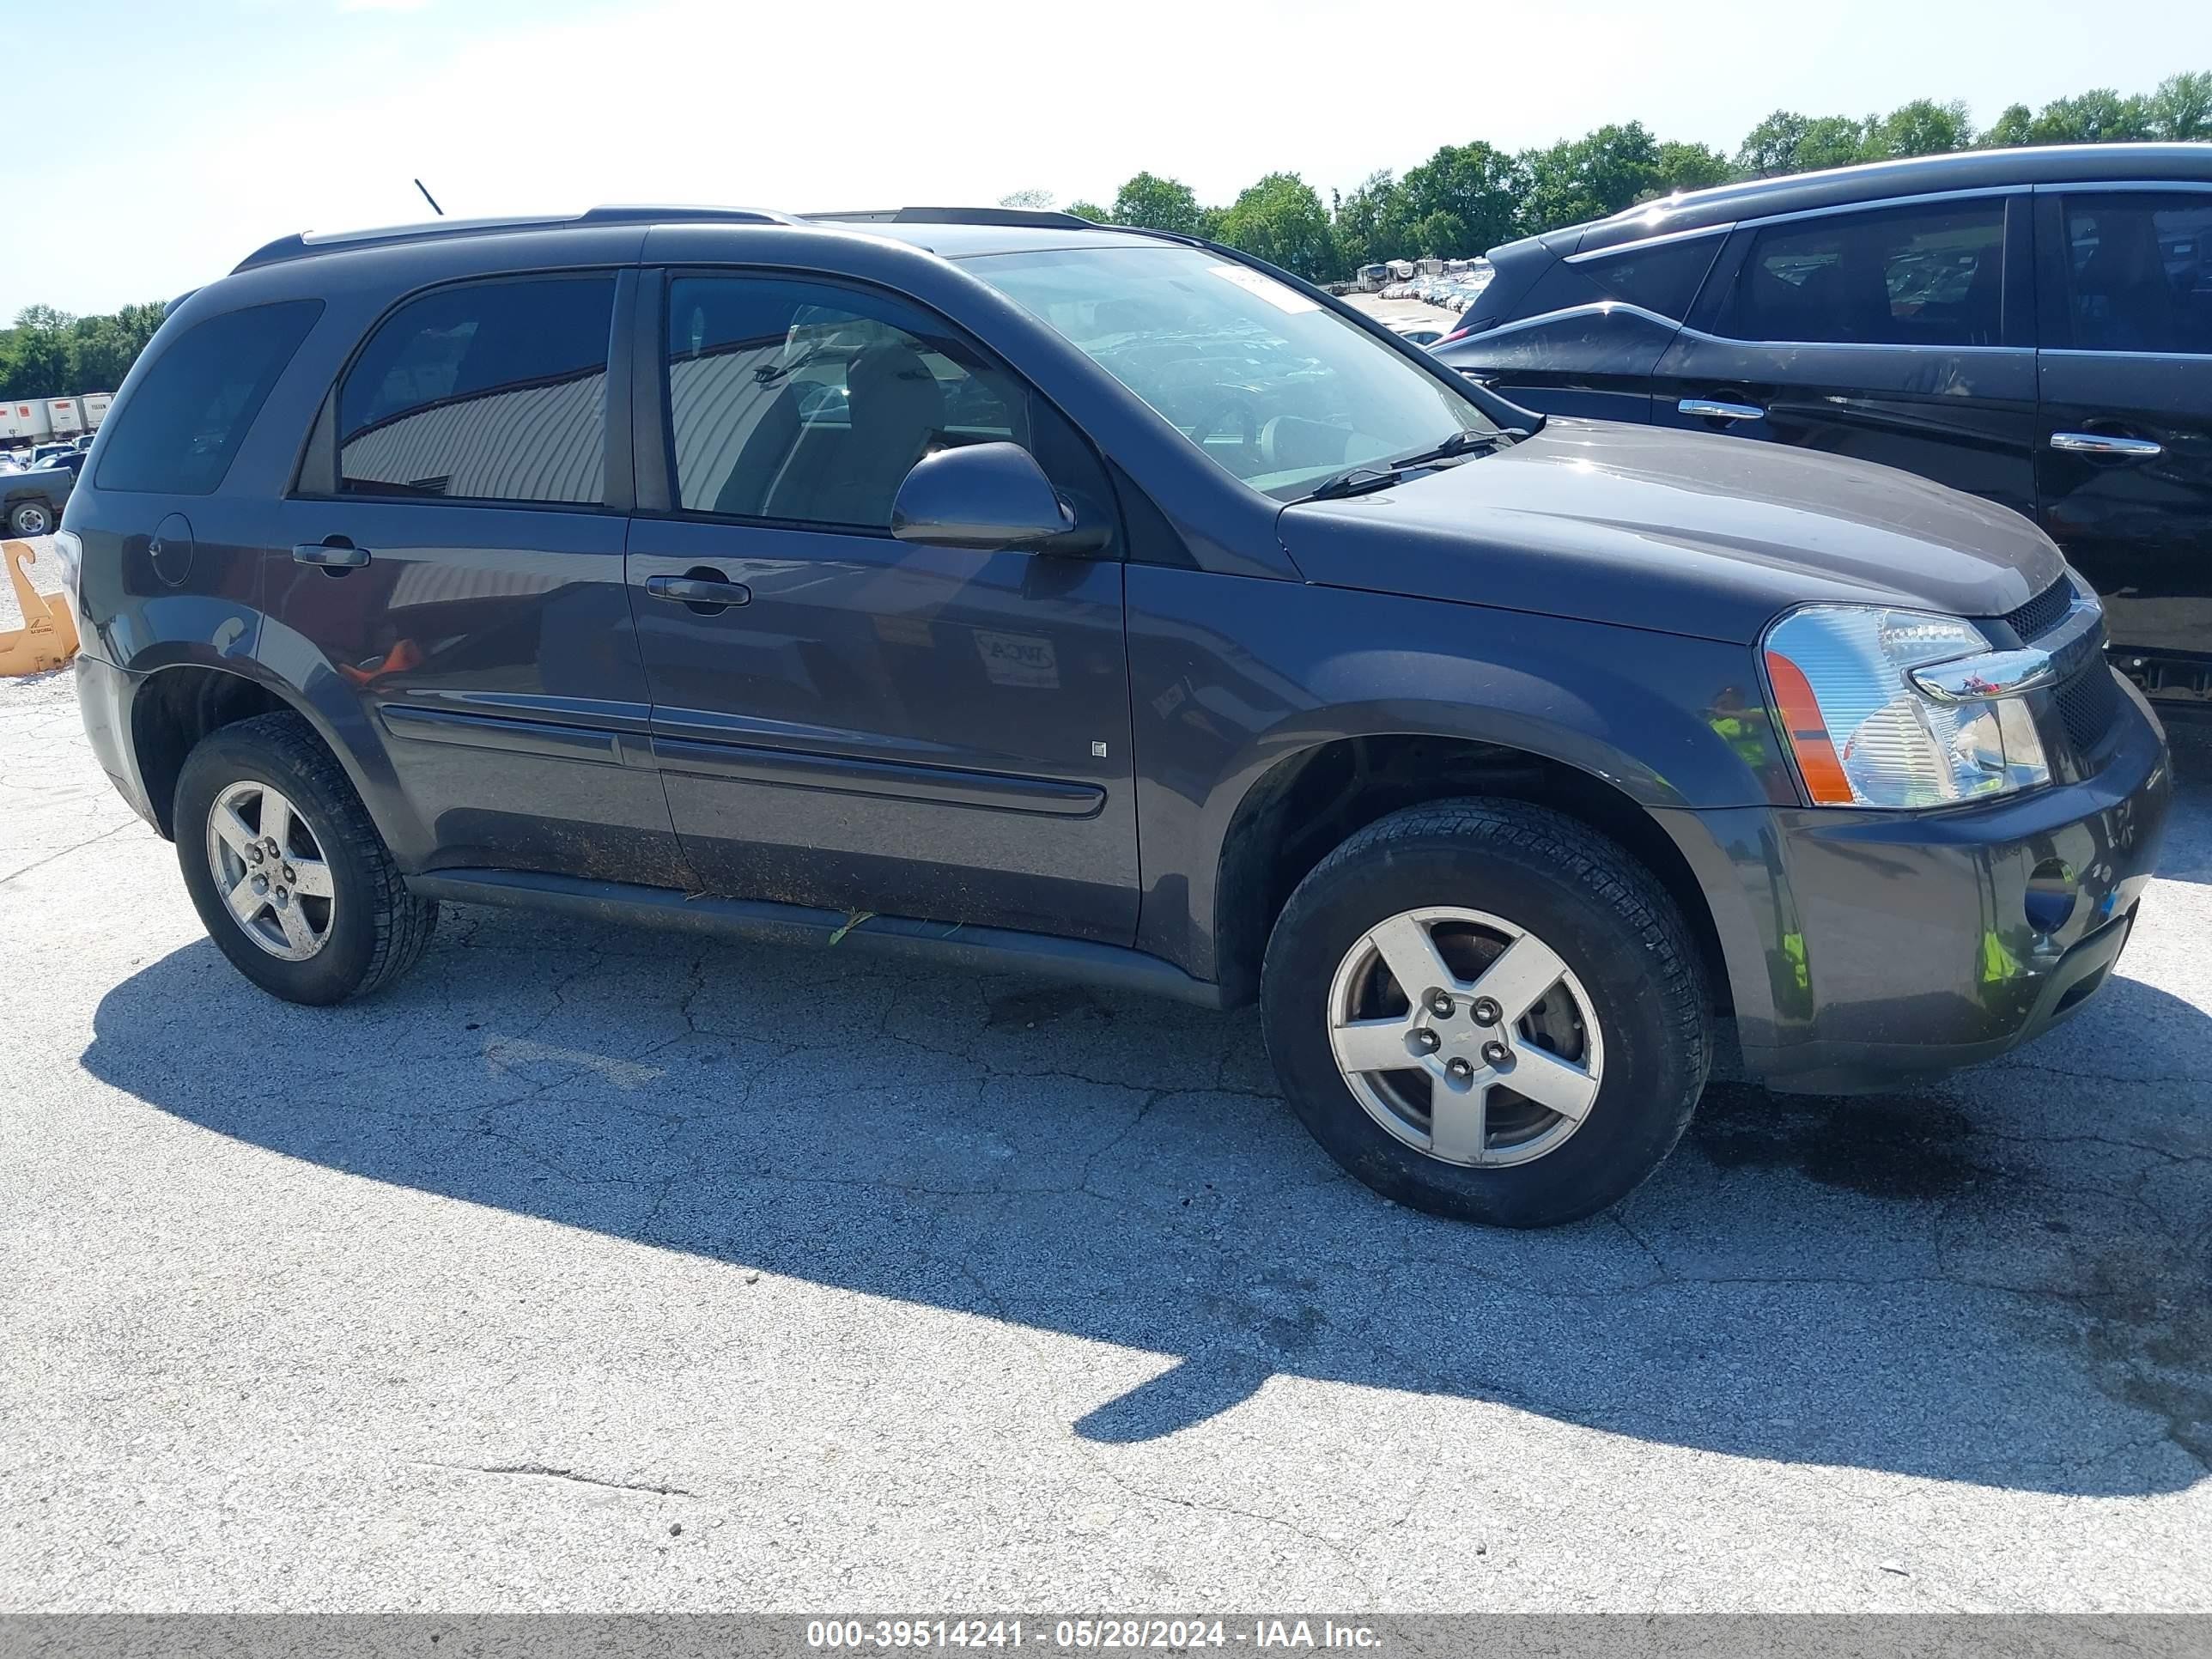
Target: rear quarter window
179	430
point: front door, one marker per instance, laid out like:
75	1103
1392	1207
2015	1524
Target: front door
1899	335
461	572
843	720
2126	463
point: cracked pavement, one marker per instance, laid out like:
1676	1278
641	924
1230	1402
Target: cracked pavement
598	1270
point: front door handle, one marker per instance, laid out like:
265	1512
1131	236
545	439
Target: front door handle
703	589
332	555
2103	443
1707	409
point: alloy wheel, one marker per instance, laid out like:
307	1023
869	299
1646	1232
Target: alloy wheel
270	869
1465	1037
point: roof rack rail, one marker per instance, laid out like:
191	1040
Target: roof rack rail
1021	218
300	245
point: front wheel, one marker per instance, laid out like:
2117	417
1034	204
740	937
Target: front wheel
1486	1009
288	874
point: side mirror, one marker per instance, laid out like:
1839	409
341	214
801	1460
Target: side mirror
990	497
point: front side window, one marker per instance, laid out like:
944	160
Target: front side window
182	424
809	403
1917	276
2139	272
484	391
1269	384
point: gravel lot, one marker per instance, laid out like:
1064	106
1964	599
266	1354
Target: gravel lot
592	1270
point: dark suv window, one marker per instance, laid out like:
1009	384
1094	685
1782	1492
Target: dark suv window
488	391
184	421
809	403
1914	276
2139	270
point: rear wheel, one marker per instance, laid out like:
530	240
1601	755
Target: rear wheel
287	871
1486	1009
31	518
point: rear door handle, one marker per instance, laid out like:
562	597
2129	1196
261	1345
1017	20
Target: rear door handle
2103	443
1707	409
704	590
339	556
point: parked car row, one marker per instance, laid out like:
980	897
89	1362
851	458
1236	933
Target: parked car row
2033	326
32	496
1454	292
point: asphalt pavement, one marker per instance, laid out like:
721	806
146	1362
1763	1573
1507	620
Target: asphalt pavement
598	1270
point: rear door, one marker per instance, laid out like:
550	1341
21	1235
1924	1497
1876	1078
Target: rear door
456	560
2125	465
855	723
1899	333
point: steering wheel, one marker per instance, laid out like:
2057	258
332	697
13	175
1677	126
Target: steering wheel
1239	407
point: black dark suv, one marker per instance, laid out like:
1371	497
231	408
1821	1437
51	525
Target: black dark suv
1002	590
2033	326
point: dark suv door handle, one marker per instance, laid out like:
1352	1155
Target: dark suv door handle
341	556
703	589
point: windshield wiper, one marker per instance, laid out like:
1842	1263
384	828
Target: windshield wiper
1460	443
1380	474
1354	481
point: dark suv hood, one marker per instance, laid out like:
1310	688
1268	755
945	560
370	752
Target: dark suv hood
1675	531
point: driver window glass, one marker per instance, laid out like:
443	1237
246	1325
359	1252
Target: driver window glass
809	403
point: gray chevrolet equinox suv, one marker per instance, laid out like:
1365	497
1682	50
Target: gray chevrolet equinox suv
1003	590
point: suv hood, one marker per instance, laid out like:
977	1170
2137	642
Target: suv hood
1686	532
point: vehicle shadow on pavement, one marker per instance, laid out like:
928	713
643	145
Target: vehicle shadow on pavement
2005	1279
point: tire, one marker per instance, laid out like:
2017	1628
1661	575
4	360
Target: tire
30	518
1622	1028
365	934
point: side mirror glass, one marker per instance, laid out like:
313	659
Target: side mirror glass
991	497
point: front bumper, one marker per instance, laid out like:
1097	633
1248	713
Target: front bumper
1864	945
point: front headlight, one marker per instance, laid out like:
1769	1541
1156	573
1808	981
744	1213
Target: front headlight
1903	708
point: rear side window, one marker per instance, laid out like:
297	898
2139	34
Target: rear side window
1663	278
179	430
483	392
1917	276
2139	272
808	403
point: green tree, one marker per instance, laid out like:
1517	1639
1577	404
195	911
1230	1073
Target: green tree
1034	199
1158	204
2099	116
1442	236
1771	148
1280	220
1589	176
1922	127
1371	222
1692	166
2181	108
1089	210
1831	141
1475	186
2015	127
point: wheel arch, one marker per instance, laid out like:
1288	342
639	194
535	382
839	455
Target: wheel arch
175	704
1305	803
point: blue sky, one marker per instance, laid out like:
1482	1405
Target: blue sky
217	125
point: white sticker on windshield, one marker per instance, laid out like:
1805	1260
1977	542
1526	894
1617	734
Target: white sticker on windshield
1274	293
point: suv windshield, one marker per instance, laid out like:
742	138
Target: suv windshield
1272	385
